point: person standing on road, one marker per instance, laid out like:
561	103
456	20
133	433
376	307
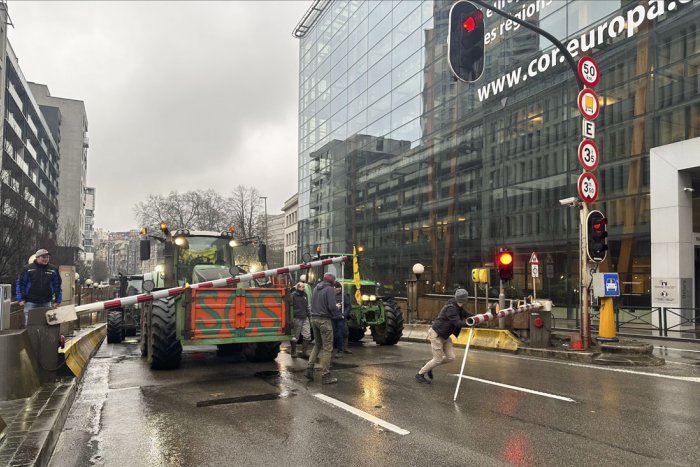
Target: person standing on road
449	321
323	309
307	288
340	327
38	284
301	325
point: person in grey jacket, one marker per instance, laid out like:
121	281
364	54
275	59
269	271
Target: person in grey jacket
301	324
323	309
449	321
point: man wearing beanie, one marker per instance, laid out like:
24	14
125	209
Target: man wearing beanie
38	283
449	321
323	309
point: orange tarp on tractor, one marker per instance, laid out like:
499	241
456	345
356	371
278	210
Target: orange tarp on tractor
226	313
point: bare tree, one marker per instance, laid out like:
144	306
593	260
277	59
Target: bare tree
18	239
175	209
99	271
246	211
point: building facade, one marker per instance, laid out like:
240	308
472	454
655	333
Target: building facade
70	130
29	167
89	233
290	210
398	156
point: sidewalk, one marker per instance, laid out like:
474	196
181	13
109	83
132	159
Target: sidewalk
35	423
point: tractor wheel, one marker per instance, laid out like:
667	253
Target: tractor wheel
390	332
115	326
356	334
261	351
167	350
144	335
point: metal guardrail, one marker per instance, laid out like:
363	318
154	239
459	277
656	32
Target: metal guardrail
645	322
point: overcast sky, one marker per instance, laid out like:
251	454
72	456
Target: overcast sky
179	95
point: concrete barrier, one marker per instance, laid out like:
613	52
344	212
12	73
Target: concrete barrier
497	339
19	372
80	348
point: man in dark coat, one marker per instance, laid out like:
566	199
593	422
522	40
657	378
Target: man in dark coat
449	321
301	325
323	309
38	284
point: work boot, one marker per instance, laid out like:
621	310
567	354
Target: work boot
309	373
345	345
293	351
328	379
430	374
304	350
421	379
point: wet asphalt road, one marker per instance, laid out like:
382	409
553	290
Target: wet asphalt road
215	411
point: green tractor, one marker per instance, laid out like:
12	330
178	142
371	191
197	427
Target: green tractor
248	318
123	322
380	313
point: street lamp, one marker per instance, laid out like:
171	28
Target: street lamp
265	232
412	289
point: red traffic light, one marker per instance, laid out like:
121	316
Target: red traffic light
600	225
505	258
473	21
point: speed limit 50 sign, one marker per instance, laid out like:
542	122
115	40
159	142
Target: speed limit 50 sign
588	71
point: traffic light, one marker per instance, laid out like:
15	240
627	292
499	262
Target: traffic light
505	264
597	231
465	41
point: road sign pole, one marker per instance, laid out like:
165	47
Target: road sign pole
583	242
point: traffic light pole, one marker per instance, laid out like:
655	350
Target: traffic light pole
585	318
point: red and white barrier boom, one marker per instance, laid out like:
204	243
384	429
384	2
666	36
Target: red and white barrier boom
147	297
482	318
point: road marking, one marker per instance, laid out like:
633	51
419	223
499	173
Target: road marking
690	379
518	388
679	350
362	414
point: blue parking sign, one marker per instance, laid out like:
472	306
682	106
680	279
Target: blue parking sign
611	283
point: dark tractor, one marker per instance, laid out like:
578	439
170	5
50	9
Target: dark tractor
123	322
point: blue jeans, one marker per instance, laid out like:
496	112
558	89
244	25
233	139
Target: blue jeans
338	334
30	306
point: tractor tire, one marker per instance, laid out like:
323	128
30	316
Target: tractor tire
166	349
391	331
144	336
356	334
115	326
261	351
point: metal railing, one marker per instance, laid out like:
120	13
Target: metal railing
665	322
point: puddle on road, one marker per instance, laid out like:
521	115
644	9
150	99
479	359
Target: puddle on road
242	399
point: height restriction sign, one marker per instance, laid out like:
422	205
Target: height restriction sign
587	187
588	154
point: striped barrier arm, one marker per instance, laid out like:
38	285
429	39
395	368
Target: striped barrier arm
229	281
491	315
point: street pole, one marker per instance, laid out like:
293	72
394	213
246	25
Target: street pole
265	232
584	209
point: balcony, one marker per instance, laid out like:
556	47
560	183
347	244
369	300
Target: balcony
32	126
13	123
86	142
31	150
15	95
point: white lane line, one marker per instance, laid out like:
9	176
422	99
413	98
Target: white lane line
677	350
518	388
690	379
362	414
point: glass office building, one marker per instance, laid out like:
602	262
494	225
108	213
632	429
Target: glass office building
398	156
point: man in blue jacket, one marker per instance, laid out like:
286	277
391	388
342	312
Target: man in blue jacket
38	284
449	321
323	309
